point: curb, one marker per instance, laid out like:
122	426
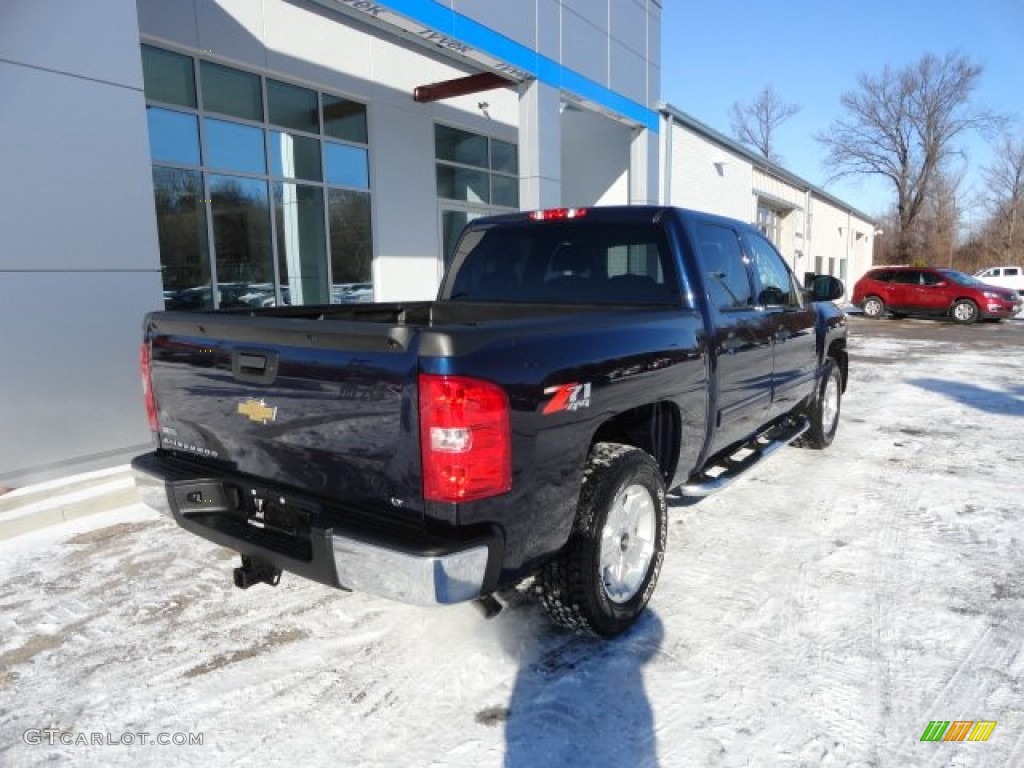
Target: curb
34	507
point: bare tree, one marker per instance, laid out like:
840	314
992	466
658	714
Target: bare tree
755	123
903	125
1004	182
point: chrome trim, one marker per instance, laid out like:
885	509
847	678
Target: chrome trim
152	492
408	578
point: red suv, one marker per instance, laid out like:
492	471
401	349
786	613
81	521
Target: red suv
930	291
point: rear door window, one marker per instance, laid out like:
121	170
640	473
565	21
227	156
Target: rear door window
724	268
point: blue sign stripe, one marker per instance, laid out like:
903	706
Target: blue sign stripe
446	21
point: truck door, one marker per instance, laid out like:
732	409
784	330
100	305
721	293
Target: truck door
789	321
741	342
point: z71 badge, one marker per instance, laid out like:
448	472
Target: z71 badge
567	397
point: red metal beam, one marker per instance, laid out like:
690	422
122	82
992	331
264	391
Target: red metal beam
460	86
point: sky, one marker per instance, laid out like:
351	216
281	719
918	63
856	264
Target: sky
718	53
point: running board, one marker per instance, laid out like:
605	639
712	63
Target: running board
722	472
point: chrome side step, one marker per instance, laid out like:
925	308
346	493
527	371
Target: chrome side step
722	472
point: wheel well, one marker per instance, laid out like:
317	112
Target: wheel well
837	351
653	428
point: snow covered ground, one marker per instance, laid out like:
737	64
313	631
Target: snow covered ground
818	613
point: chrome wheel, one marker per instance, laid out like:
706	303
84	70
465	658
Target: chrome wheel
830	403
627	543
965	312
873	307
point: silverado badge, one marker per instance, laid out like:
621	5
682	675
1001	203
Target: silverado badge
258	410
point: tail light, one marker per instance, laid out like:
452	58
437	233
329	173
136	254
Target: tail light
465	440
145	361
558	214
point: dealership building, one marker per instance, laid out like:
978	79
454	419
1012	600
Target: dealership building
199	153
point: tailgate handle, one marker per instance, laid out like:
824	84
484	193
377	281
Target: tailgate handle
254	367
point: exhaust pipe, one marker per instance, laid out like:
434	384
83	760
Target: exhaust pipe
256	571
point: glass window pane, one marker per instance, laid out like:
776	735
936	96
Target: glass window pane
181	228
292	107
173	136
294	157
234	146
241	232
460	146
301	243
231	91
504	157
168	77
462	184
347	166
505	191
351	246
344	119
723	268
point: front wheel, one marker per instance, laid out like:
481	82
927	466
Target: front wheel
965	311
824	411
873	307
605	575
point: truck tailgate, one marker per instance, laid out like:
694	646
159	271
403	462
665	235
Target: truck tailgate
326	408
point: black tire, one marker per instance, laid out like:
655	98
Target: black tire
824	411
964	311
873	307
577	589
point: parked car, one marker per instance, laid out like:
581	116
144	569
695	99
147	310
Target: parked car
931	291
1006	277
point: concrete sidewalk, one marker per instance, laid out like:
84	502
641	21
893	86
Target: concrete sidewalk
37	506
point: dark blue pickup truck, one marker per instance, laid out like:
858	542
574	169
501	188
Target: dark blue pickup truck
527	424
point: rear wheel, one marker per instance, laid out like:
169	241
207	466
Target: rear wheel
824	411
964	311
605	575
873	307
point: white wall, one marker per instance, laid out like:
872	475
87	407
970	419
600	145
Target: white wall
595	160
79	264
707	177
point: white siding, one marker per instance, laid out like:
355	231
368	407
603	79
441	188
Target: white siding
709	178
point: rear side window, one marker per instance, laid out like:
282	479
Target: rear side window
881	276
723	268
775	283
908	277
571	263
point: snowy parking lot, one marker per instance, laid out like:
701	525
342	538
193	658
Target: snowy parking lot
820	612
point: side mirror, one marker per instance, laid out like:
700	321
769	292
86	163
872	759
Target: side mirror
825	288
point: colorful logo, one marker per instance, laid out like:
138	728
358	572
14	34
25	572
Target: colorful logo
568	397
958	730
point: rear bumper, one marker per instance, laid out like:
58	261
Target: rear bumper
412	569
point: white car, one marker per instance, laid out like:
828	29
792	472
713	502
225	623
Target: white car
1007	277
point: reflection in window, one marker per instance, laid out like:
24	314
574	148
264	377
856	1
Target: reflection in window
463	147
294	157
173	136
505	191
462	184
292	107
723	268
344	119
231	91
777	286
234	146
351	246
241	232
504	157
301	246
168	77
181	227
346	166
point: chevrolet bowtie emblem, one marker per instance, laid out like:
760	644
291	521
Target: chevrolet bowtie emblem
258	410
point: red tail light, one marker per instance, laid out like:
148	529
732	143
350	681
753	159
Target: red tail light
556	214
465	440
145	359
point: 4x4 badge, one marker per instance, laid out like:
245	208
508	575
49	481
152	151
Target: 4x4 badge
258	410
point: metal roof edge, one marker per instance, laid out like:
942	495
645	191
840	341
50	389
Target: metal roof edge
758	160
